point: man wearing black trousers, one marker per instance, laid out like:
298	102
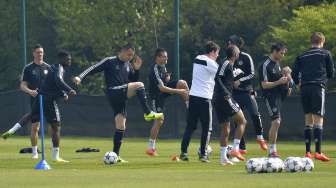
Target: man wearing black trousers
243	91
201	92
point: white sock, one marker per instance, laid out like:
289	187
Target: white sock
260	137
236	143
273	148
34	150
151	144
16	127
55	153
223	153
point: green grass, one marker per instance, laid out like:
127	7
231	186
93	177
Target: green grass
88	170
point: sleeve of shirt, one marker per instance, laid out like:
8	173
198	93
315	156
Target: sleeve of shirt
218	79
296	71
249	74
212	67
94	69
133	75
25	74
263	73
330	66
60	81
157	79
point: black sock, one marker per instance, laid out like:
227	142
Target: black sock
242	144
318	137
257	125
307	136
141	94
117	140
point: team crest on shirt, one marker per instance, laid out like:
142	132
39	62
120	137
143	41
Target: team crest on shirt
34	72
45	72
273	71
240	62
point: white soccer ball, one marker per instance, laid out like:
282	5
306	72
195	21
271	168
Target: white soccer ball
254	165
308	164
110	157
273	165
208	150
229	149
293	164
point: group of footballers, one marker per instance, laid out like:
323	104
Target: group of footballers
228	85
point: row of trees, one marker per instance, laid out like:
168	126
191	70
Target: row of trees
93	29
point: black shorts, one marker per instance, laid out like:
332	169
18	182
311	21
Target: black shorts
273	105
50	110
247	102
225	108
157	102
313	99
117	97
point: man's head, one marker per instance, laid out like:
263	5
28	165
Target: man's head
38	53
161	56
317	39
126	52
235	40
278	51
64	58
212	49
232	52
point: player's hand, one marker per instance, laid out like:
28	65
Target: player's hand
184	93
137	63
236	84
72	93
33	93
168	77
76	80
283	80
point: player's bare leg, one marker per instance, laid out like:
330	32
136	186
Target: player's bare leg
55	137
273	134
151	151
34	138
224	142
240	120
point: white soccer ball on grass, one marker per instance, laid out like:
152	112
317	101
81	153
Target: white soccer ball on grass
110	157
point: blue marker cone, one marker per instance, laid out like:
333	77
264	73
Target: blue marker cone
42	165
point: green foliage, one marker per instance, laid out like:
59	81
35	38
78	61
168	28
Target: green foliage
296	32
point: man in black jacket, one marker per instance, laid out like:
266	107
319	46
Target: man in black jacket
243	91
311	71
52	90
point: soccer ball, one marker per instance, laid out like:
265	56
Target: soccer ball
254	165
110	158
293	164
308	164
208	150
273	165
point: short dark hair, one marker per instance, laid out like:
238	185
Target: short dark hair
63	53
278	47
211	46
236	40
37	46
127	46
158	52
231	51
317	38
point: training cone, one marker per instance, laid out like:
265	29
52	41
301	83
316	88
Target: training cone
42	165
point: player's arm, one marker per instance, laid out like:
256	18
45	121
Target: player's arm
24	88
218	79
296	71
330	66
249	73
134	74
266	84
59	80
165	89
90	71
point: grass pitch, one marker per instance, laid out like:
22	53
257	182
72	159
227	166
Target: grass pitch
88	169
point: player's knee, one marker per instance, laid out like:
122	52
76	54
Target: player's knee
182	84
